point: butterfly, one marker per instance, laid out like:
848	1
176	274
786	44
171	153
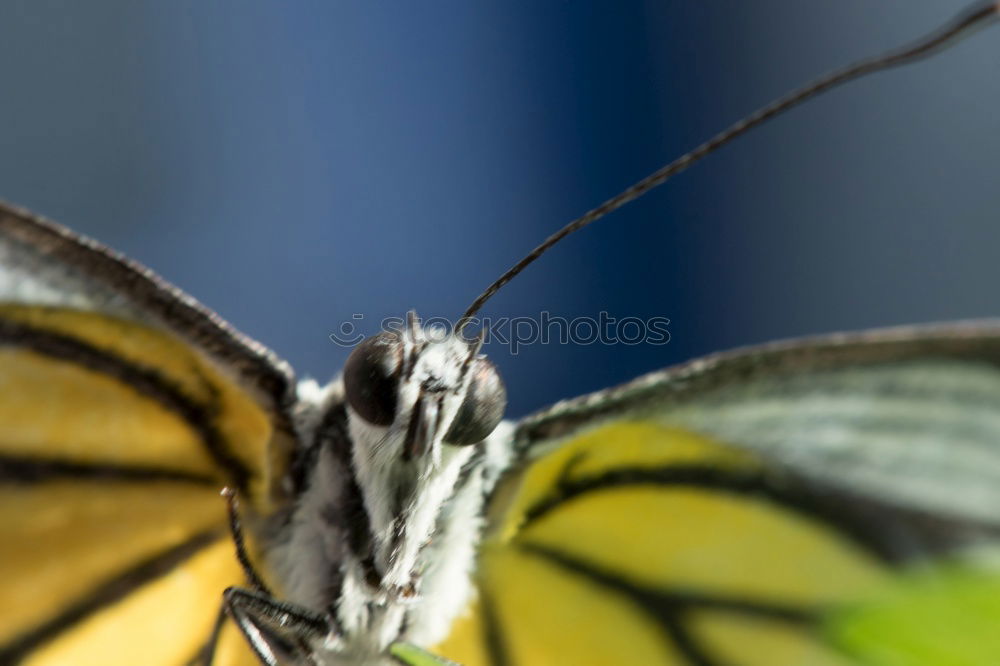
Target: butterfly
823	501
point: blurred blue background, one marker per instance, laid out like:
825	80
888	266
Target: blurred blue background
290	164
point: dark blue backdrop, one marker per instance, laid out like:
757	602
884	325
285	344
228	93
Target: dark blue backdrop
290	164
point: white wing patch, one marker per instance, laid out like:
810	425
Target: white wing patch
923	433
27	275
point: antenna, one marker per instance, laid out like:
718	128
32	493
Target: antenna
977	15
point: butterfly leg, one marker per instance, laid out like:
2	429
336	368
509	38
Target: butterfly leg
236	530
207	654
278	633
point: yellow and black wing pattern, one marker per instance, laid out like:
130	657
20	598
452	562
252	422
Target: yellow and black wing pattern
821	502
124	409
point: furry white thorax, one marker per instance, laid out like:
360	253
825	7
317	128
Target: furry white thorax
424	530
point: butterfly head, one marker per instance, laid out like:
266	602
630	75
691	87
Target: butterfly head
418	388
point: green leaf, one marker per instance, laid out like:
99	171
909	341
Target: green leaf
945	616
411	655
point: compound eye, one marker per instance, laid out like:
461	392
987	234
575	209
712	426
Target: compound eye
371	378
482	408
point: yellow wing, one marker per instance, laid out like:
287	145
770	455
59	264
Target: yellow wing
693	517
640	544
124	409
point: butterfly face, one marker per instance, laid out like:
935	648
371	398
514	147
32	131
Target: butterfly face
411	392
396	483
416	401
